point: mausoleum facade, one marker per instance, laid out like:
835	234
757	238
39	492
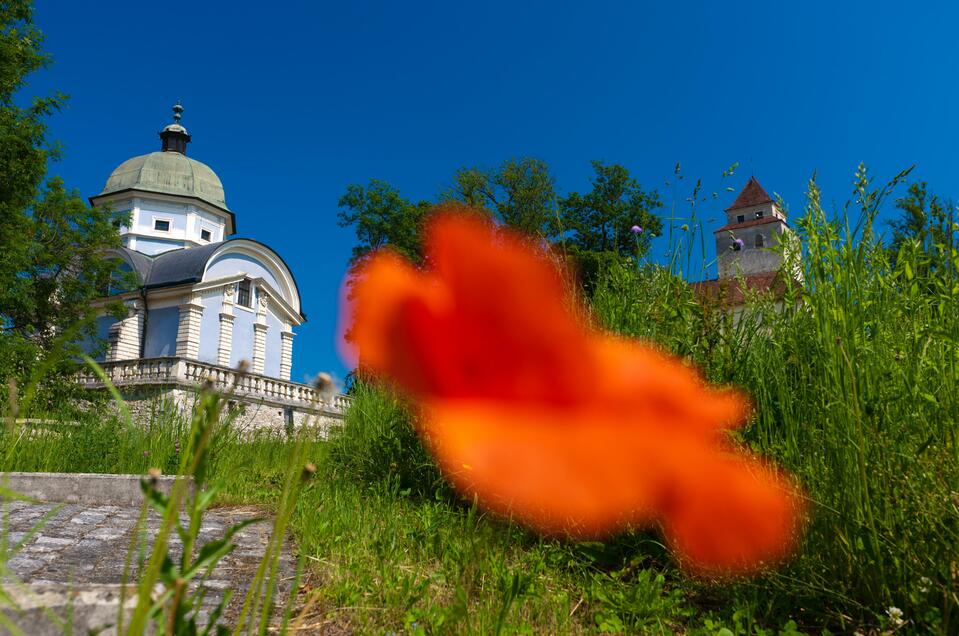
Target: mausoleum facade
201	296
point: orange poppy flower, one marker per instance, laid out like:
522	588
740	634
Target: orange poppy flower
545	419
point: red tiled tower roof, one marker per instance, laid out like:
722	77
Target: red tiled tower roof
750	223
731	292
752	194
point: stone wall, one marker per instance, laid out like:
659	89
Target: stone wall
750	259
247	415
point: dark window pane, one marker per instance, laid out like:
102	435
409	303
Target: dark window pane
204	235
243	294
161	225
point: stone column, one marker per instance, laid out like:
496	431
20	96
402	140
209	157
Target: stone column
259	332
125	335
286	352
188	334
224	352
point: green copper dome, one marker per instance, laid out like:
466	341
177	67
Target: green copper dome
167	172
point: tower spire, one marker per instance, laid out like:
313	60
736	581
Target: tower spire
174	136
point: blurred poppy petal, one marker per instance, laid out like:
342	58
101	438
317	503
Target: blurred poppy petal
545	419
733	514
559	471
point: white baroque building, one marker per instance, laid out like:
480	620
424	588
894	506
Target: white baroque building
203	302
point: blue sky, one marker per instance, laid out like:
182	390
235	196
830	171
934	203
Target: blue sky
291	101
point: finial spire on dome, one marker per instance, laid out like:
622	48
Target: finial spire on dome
174	136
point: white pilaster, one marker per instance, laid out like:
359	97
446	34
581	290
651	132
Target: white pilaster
259	332
188	334
125	335
286	352
225	347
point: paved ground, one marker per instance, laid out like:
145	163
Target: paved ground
82	547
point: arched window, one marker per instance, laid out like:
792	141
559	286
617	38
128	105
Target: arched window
759	240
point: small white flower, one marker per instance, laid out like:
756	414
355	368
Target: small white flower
895	615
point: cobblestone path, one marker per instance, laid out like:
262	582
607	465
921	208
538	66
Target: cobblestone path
87	545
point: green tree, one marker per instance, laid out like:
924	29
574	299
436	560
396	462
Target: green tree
521	194
924	219
601	220
380	217
23	150
599	224
65	268
52	244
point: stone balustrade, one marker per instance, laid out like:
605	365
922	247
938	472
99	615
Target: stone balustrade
174	371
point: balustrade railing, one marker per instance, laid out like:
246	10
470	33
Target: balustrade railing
192	373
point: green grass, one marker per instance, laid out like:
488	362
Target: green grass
855	383
855	390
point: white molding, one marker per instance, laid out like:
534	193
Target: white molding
269	258
153	223
164	303
165	293
276	298
188	242
142	195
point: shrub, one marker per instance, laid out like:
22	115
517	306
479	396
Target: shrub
378	446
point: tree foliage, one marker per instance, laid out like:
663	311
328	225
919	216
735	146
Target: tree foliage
52	244
521	194
926	222
23	151
601	220
592	230
380	217
65	268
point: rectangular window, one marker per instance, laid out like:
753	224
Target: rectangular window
161	225
205	235
740	218
243	296
759	214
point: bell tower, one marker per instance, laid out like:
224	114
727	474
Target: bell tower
755	226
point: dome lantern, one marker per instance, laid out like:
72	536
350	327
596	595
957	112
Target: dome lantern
174	136
174	200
